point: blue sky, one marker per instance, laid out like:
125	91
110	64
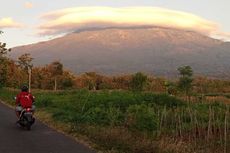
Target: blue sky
26	15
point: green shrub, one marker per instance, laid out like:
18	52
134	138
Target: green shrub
96	115
142	117
138	81
162	100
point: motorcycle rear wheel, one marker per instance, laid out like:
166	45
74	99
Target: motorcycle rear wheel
28	127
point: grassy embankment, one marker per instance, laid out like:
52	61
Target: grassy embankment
123	121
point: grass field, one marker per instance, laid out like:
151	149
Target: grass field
124	121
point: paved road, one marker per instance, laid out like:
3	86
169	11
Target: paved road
41	139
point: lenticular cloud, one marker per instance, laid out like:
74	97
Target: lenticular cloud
79	18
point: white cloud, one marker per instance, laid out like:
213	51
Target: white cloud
71	19
28	5
9	23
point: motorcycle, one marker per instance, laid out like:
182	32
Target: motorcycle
26	119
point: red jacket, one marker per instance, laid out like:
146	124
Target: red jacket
25	99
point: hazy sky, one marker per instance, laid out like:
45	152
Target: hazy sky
22	20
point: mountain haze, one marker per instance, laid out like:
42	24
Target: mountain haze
154	50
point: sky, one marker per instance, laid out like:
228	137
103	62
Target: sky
30	21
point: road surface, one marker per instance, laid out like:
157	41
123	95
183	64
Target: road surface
41	139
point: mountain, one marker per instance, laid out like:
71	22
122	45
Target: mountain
154	50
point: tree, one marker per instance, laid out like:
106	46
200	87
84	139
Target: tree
56	69
25	62
138	81
15	75
42	78
185	81
3	62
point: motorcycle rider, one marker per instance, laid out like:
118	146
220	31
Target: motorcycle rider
24	100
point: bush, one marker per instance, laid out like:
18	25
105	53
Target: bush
142	117
138	82
162	100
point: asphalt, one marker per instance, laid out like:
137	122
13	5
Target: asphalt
41	139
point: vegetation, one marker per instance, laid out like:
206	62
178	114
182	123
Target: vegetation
138	121
25	61
3	63
138	82
185	81
56	69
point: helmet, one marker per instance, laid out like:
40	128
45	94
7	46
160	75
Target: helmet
24	88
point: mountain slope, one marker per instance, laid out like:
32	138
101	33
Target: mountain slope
154	50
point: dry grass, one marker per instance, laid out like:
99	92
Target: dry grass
212	99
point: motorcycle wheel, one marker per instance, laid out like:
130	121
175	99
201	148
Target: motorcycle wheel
28	127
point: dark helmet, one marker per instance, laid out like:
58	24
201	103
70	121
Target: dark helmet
24	88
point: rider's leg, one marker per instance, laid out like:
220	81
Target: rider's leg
17	114
18	110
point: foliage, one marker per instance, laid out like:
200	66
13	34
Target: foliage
142	117
171	87
25	61
185	81
138	82
66	81
56	69
185	71
3	63
54	76
106	108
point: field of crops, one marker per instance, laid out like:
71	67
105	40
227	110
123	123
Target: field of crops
138	122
